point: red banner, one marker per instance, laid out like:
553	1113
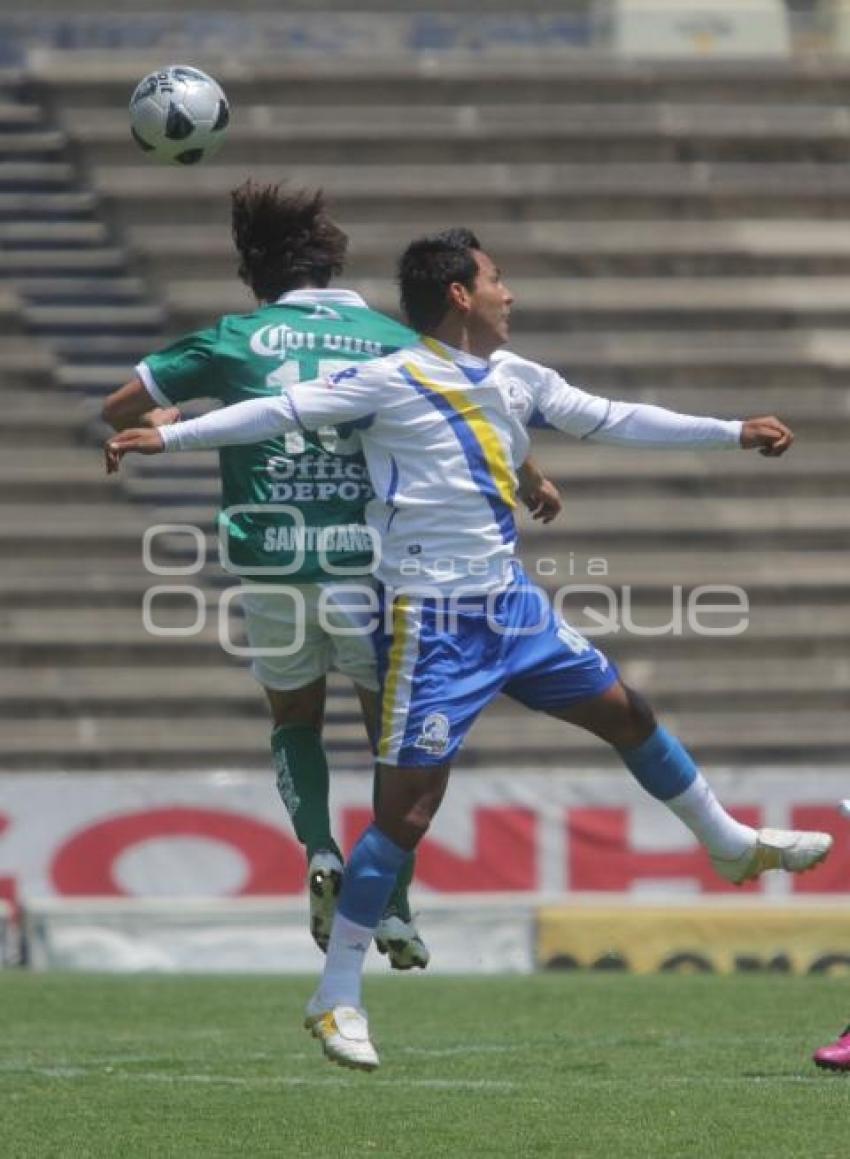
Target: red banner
517	832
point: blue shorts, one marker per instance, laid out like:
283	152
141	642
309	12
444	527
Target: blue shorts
440	662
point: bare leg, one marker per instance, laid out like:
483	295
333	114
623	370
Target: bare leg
369	702
298	705
619	716
408	800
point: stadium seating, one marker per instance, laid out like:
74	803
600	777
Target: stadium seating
675	234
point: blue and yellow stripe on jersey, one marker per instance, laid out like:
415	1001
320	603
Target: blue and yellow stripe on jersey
481	446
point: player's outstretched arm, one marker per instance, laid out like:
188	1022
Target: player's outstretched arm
768	433
654	426
602	420
244	423
257	419
132	406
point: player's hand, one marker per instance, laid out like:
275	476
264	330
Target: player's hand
769	434
161	416
143	442
544	501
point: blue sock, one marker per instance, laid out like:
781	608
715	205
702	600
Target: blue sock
662	765
369	877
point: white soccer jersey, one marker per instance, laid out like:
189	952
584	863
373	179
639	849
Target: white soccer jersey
441	446
442	432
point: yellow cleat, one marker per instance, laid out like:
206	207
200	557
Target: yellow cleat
344	1035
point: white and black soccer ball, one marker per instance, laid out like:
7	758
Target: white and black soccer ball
179	115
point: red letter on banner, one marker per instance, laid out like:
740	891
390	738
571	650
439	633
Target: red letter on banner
834	875
85	865
8	885
503	857
600	857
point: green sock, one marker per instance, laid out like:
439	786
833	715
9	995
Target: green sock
398	903
304	784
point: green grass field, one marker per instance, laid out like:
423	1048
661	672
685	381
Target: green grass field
552	1065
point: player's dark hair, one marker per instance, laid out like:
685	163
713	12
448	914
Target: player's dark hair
428	267
285	239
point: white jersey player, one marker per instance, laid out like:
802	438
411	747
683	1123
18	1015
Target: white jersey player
442	425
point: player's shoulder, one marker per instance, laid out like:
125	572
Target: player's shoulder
508	362
521	380
239	325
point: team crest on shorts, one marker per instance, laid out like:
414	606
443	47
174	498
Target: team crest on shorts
434	737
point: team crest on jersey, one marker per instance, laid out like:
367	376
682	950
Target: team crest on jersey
516	396
320	311
434	737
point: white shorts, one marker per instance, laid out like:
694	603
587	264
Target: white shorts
299	632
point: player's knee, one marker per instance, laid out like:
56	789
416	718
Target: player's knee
414	828
639	721
405	825
407	801
406	832
300	719
302	706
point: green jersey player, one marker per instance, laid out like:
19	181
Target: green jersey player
292	519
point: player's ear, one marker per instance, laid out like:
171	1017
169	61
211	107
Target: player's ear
459	297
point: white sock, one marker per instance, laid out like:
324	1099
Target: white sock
706	818
347	948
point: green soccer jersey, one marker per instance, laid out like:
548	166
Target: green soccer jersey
292	508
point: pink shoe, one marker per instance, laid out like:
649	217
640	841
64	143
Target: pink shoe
836	1056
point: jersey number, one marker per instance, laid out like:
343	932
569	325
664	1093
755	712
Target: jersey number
291	372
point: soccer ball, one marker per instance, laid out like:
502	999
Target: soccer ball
179	115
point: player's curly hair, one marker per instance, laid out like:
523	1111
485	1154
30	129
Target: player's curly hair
285	239
428	267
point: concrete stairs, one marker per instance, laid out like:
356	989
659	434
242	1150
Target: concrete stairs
671	235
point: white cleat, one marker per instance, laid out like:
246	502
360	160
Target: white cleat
401	942
324	881
344	1034
795	851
